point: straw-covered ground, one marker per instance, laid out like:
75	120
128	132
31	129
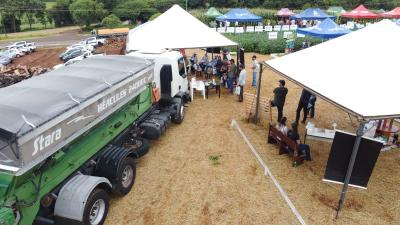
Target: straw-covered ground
202	172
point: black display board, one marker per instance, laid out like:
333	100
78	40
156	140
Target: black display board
339	158
215	50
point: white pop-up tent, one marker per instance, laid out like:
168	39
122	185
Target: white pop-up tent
175	29
358	72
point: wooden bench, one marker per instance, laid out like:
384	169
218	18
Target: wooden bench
286	145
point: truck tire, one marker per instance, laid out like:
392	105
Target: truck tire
126	174
137	147
96	207
179	114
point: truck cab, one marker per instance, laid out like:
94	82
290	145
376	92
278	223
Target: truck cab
169	71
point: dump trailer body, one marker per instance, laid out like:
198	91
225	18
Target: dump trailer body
67	134
45	113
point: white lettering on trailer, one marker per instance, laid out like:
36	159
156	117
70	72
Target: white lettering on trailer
43	142
109	102
138	84
105	104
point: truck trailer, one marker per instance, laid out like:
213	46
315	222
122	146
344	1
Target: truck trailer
69	138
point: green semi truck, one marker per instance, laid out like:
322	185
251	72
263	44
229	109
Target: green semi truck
69	138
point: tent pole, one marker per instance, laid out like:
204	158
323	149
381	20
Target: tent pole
237	59
258	94
360	133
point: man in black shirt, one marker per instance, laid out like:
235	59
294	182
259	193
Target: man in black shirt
303	104
279	98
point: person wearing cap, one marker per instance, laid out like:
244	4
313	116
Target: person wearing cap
279	98
241	81
256	69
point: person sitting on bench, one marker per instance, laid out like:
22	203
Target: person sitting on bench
281	126
304	150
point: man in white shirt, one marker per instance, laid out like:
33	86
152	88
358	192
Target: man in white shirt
256	69
241	81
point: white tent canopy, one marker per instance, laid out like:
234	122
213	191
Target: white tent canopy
174	29
359	72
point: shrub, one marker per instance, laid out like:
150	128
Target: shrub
155	15
259	43
111	21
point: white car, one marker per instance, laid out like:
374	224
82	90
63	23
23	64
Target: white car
94	41
83	46
23	47
16	51
31	46
76	59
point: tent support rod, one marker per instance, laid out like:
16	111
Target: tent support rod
360	133
237	59
258	93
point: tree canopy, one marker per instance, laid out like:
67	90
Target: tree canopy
85	12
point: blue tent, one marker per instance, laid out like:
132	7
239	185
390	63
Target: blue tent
312	14
325	30
239	15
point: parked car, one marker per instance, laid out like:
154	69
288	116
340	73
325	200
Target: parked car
94	41
14	53
4	60
7	53
81	45
72	54
76	59
31	46
22	46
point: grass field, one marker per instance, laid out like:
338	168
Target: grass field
50	4
34	34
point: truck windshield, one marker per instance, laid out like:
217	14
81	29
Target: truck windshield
181	66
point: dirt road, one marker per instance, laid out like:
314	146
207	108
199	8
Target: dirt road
61	38
43	57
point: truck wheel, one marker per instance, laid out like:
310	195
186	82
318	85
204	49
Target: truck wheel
138	147
96	207
125	177
180	111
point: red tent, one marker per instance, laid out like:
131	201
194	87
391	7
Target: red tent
395	13
285	12
360	13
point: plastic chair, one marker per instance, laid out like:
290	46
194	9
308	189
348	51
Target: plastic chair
201	87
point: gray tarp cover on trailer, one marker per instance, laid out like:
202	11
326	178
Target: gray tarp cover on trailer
42	98
41	115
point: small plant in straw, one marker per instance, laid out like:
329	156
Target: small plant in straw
215	159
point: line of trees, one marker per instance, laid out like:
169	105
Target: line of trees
86	12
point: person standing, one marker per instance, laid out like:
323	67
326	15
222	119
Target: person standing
311	106
303	104
241	81
231	75
279	98
256	69
218	66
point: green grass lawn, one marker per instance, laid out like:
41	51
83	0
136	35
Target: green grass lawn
50	4
35	34
35	26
